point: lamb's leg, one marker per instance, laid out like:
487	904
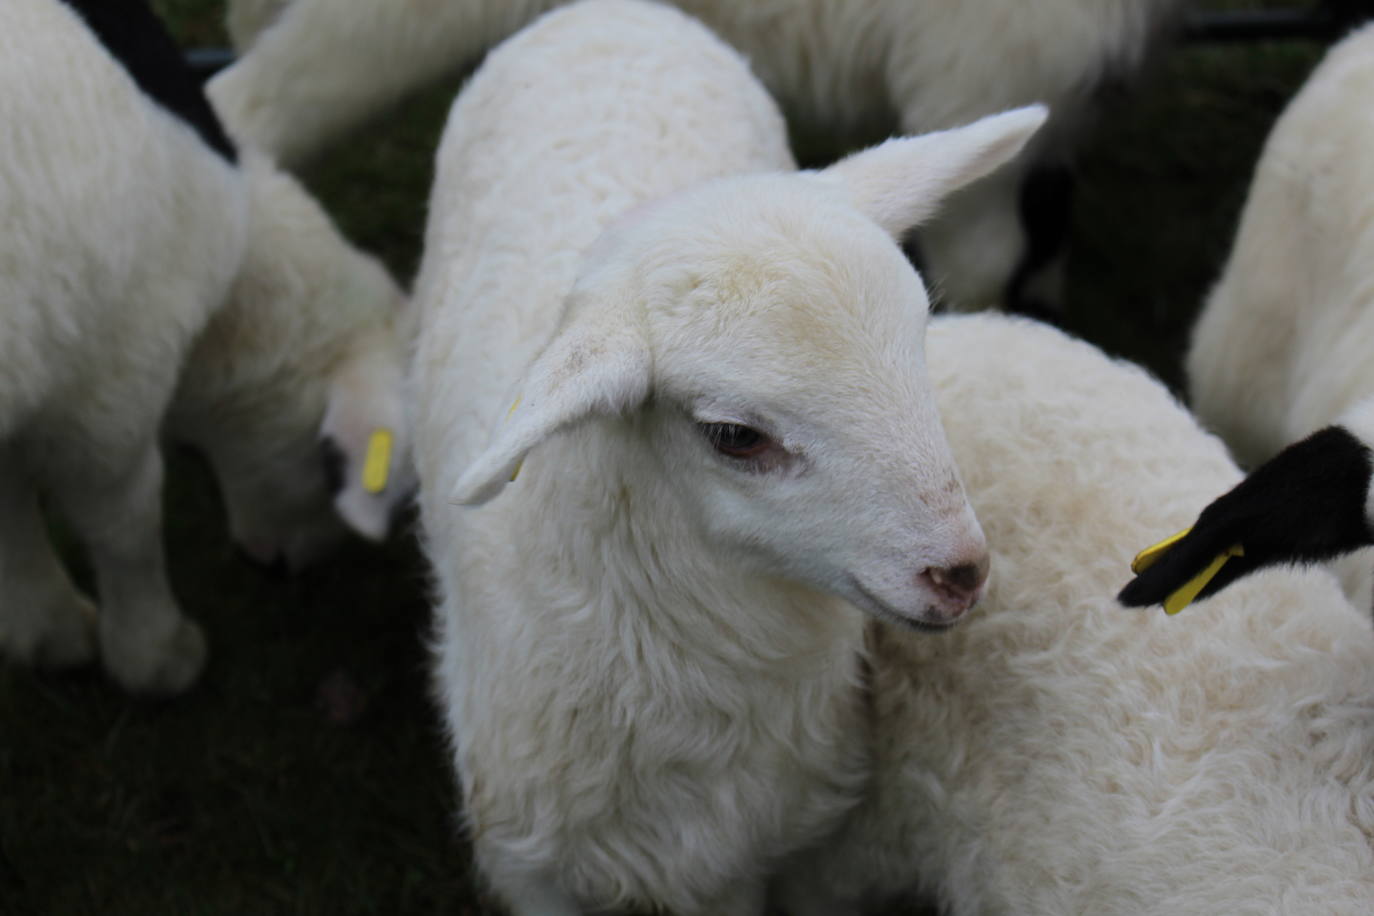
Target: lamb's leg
115	504
44	620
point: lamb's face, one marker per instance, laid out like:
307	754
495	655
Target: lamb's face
281	528
768	332
303	460
271	473
790	405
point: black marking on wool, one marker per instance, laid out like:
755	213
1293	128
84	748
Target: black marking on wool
1305	505
136	38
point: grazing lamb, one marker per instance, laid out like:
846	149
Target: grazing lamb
1281	348
1056	754
840	67
649	653
140	262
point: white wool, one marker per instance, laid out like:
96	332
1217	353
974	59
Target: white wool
130	248
1057	753
326	66
647	671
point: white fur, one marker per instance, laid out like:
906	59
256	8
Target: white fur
646	658
1058	753
130	248
838	65
1281	348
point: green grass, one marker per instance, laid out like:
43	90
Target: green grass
305	773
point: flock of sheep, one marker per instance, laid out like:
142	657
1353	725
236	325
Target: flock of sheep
698	475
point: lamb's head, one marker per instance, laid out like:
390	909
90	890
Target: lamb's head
294	391
760	341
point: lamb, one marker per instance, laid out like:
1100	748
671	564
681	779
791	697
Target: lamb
1058	754
1280	347
1279	351
689	387
143	273
856	70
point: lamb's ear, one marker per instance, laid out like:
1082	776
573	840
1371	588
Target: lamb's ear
901	183
598	365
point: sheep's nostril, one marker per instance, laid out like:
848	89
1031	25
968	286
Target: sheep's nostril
959	586
963	578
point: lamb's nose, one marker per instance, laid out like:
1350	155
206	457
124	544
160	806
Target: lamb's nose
958	588
967	577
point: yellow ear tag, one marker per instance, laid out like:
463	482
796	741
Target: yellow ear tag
521	463
378	460
1146	558
1184	596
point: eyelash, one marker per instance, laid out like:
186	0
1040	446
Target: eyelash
740	443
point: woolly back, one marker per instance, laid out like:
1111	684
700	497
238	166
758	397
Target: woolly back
1060	753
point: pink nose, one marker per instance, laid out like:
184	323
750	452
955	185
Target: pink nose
956	588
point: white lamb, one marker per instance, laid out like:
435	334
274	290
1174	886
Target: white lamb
840	67
649	653
1059	754
1280	350
136	262
1282	346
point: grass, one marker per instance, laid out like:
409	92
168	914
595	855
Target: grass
305	773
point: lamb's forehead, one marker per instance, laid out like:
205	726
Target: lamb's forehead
787	261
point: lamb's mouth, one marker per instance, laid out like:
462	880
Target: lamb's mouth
874	606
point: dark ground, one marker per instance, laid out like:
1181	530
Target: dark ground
305	773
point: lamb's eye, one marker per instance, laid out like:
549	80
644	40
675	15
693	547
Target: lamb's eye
736	440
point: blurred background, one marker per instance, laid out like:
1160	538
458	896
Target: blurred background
306	772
